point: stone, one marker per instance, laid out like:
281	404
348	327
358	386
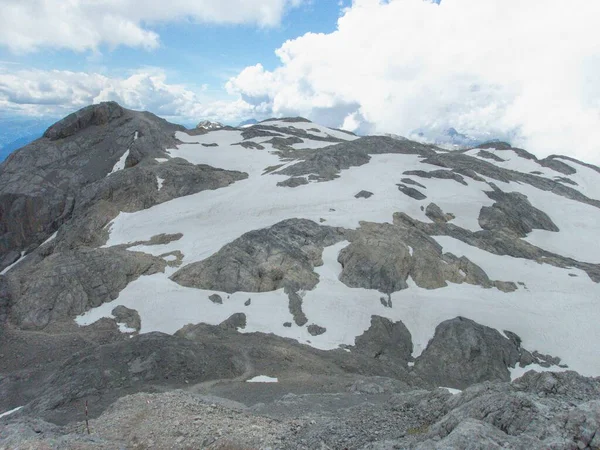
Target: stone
435	213
385	339
295	307
412	182
463	352
283	255
513	211
411	192
441	174
235	321
127	316
216	298
379	257
363	194
293	182
315	330
66	284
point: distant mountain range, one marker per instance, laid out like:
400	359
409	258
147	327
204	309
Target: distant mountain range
16	132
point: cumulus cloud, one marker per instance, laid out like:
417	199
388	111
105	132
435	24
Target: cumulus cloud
28	25
57	93
525	71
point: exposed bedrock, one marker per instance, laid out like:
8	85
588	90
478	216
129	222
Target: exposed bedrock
435	213
440	174
460	162
65	284
40	183
513	212
326	163
498	242
463	352
281	256
385	339
383	256
411	192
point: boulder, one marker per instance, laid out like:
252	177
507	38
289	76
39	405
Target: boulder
463	352
283	255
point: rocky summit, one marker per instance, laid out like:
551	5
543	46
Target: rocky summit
284	285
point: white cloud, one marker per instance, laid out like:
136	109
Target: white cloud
28	25
57	93
524	70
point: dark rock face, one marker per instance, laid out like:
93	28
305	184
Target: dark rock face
327	162
107	372
489	155
498	242
386	339
235	321
441	174
64	285
411	192
293	182
283	142
379	257
462	353
295	307
127	316
94	115
216	298
283	255
435	213
513	211
459	162
4	301
412	182
40	183
364	194
251	145
315	330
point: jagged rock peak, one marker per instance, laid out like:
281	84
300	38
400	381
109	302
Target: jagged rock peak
208	125
99	114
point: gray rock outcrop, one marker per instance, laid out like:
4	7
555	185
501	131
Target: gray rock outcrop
411	192
66	284
462	353
283	255
383	256
513	211
40	183
127	316
386	339
364	194
435	213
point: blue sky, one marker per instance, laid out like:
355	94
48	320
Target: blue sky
191	53
508	69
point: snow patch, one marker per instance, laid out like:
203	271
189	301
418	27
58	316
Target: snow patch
6	269
262	379
161	160
160	182
452	390
123	328
12	411
517	372
120	164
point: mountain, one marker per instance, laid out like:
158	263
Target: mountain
392	294
207	125
247	122
16	132
451	139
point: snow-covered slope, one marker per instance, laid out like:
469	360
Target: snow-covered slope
300	170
